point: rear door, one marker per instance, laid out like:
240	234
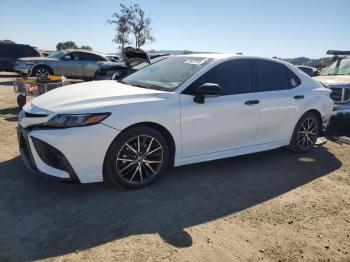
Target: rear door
70	67
281	100
90	63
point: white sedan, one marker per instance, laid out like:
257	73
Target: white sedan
182	110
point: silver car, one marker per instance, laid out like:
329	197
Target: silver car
70	63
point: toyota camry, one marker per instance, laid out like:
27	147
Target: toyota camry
181	110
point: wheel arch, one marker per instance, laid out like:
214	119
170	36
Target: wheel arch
162	130
42	65
314	111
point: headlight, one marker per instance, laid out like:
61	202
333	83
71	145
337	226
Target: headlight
29	65
64	121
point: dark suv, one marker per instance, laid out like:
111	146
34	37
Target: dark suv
10	52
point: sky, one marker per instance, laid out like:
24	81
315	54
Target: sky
264	28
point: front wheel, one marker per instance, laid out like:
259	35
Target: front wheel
305	133
42	72
137	157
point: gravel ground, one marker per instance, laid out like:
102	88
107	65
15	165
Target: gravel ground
267	206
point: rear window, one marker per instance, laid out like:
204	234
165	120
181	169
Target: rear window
274	76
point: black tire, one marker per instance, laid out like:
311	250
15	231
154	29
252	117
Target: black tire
41	72
21	101
136	171
305	133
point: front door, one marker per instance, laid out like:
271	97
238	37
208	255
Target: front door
225	122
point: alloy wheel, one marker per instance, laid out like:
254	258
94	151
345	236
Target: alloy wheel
42	73
307	133
139	159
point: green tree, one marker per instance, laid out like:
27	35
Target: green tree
140	26
86	47
131	20
66	45
121	20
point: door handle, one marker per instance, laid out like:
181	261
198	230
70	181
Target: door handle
252	102
298	97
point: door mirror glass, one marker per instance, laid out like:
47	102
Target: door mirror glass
66	57
207	90
316	73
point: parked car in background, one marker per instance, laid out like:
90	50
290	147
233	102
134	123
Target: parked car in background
10	52
311	71
133	60
337	78
178	111
113	58
69	63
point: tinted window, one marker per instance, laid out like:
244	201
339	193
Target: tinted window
271	76
26	51
10	51
90	57
16	51
234	77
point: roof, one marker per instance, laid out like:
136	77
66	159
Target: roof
84	51
233	56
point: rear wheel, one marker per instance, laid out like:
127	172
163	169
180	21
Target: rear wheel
305	133
137	157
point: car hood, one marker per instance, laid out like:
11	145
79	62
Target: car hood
334	80
131	55
90	97
36	59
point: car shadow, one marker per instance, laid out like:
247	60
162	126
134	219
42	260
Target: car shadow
10	114
7	83
42	219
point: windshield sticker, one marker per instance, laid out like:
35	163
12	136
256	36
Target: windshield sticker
195	62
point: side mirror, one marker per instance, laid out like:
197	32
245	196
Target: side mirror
207	90
66	57
316	73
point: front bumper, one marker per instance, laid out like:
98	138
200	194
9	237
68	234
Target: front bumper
71	154
22	70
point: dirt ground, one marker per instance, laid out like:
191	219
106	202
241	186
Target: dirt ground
268	206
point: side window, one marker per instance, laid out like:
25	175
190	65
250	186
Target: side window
11	51
234	77
272	76
293	79
74	56
25	51
90	57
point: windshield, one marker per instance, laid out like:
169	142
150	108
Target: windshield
339	67
58	55
167	74
144	64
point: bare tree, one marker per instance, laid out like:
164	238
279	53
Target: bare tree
121	21
131	20
140	26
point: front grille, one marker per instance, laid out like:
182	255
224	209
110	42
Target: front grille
340	95
50	155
